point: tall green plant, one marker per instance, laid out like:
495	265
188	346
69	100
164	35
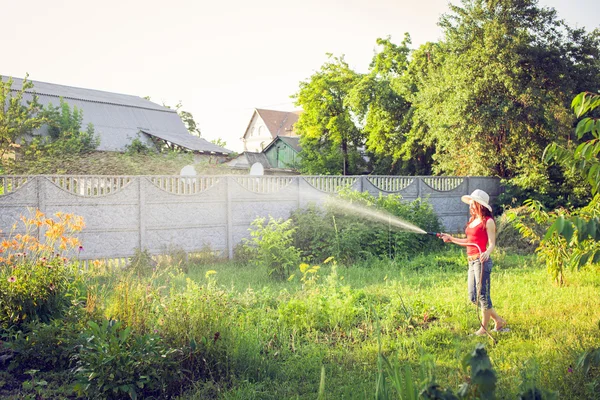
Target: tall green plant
17	115
65	134
585	160
114	363
271	246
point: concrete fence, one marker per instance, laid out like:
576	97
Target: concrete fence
155	213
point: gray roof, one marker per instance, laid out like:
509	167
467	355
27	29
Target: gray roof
194	143
248	158
119	118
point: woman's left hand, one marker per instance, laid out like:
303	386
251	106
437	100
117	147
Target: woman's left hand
484	256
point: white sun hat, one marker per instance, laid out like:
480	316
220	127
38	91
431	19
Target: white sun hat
480	197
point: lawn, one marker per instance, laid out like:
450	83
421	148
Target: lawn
319	334
417	311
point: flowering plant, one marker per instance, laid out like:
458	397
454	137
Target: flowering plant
36	276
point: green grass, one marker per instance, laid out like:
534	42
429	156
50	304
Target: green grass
550	326
276	336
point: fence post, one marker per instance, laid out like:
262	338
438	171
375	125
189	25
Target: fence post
41	200
229	218
419	181
299	199
141	222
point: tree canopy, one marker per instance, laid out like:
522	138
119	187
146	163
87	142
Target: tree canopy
330	139
485	100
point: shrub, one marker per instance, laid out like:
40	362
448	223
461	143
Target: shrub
36	279
351	236
142	263
510	238
138	147
315	232
114	363
271	246
44	346
559	251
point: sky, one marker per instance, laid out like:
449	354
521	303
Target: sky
220	59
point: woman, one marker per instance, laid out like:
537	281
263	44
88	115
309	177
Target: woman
480	242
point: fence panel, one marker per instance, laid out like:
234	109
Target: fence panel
123	213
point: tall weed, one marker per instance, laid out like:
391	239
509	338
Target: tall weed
271	246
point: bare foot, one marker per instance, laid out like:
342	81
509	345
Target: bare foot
480	332
500	325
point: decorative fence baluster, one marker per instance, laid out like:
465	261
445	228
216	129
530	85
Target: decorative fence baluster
443	183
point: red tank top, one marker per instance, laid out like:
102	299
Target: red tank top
478	235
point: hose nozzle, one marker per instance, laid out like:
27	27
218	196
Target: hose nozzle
436	234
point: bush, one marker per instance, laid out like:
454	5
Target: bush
508	236
315	233
351	236
271	246
142	263
44	346
114	363
36	279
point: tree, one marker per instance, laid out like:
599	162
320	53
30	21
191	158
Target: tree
495	92
188	120
64	130
329	137
380	102
18	116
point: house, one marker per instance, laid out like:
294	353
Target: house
283	152
120	118
266	125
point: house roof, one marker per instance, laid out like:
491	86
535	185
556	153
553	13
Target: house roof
191	142
292	141
248	158
279	123
118	118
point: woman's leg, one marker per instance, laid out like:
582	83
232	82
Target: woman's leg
482	278
499	322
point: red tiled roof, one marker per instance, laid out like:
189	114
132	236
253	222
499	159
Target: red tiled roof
279	123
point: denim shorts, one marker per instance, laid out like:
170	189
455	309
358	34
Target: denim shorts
485	301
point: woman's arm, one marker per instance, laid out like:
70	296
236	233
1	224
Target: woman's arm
490	227
448	238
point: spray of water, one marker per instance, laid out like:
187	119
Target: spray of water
374	215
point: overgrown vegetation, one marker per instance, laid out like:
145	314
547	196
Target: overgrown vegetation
330	230
379	328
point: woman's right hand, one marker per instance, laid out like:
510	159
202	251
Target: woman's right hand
446	238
